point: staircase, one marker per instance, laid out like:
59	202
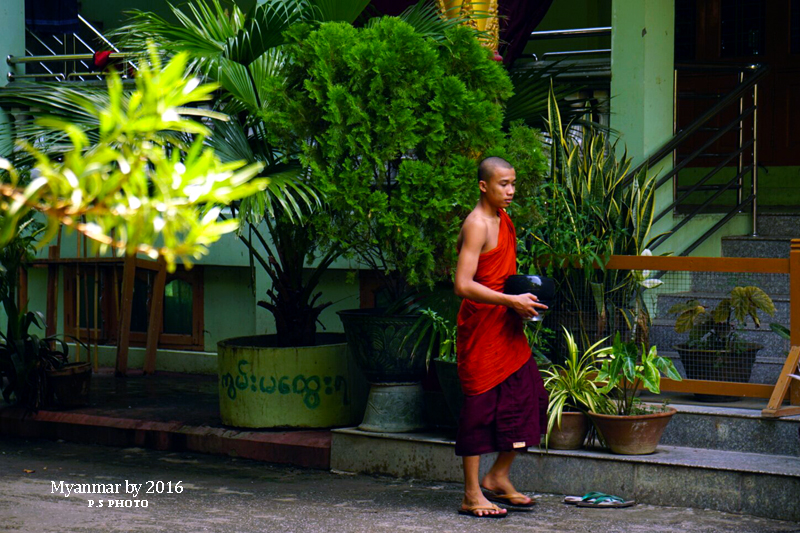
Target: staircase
775	232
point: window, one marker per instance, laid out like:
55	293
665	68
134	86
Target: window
100	287
742	25
794	37
685	30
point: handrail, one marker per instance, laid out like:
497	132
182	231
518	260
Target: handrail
74	58
576	52
575	32
730	67
13	60
678	139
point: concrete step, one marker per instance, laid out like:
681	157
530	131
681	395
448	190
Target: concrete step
733	430
759	246
712	300
779	224
723	282
730	481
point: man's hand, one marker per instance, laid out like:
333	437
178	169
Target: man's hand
526	305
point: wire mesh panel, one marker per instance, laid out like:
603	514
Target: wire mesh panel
722	326
715	326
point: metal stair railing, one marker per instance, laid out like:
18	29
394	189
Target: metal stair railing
746	87
600	31
76	58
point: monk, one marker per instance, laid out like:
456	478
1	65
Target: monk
505	402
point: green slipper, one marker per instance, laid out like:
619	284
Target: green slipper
607	500
574	500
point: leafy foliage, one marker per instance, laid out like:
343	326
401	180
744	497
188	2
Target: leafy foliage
440	334
718	329
245	53
24	356
393	123
572	385
152	195
626	369
587	216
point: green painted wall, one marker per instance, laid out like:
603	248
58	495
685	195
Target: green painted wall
641	80
12	42
778	187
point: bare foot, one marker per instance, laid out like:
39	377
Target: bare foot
478	505
503	485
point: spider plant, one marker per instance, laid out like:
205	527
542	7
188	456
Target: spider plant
572	385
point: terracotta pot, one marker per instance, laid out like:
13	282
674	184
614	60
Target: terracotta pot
571	434
632	435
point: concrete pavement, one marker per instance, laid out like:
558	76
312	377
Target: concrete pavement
238	495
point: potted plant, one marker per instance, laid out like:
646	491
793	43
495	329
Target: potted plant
573	392
626	425
32	368
715	350
383	105
440	334
138	130
591	207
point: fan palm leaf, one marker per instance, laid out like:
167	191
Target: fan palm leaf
425	18
288	193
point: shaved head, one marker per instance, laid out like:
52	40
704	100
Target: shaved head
489	166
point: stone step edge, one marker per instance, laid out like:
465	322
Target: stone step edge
662	322
781	297
305	448
731	412
785	466
748	238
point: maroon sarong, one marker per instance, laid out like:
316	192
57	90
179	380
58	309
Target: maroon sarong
510	416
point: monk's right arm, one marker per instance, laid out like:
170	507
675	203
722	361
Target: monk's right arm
473	239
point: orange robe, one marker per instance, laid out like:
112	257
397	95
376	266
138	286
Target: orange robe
491	339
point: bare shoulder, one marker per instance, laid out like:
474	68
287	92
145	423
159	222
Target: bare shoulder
473	231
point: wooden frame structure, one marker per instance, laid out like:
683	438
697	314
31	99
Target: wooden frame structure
785	385
130	265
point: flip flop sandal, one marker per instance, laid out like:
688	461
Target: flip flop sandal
471	511
607	500
574	500
505	500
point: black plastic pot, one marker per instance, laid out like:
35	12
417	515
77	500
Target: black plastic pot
447	373
383	345
69	386
718	365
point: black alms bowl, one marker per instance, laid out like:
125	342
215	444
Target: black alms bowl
540	286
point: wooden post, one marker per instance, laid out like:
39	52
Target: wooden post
787	385
125	309
78	300
22	288
794	313
156	319
96	307
51	306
